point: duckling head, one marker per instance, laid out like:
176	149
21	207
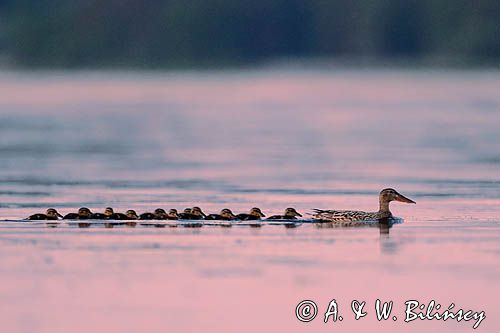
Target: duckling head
160	211
187	211
172	213
109	211
256	212
84	212
227	213
197	212
131	214
291	212
51	212
389	194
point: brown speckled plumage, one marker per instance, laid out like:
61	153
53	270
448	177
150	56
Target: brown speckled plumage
352	217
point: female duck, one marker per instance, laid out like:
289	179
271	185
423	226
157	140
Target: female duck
225	215
290	214
50	214
254	214
340	216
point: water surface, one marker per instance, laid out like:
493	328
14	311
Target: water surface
273	139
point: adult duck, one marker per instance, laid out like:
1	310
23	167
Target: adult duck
345	216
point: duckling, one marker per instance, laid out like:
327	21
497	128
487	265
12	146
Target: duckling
118	216
50	214
108	212
254	214
147	216
131	215
172	214
83	214
225	215
160	214
185	215
194	213
290	214
197	213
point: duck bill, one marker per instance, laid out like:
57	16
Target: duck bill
59	215
298	214
262	214
404	199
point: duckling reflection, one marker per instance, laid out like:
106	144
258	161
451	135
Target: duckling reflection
290	214
50	214
254	214
225	215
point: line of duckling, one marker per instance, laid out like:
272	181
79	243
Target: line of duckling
320	216
194	213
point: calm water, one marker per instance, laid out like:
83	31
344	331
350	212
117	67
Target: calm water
308	139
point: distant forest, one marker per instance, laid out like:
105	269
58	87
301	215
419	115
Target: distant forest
211	33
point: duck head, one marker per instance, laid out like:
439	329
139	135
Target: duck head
131	214
196	211
256	212
291	212
227	213
84	212
51	212
187	211
389	194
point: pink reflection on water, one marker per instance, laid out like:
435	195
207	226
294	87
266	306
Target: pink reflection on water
238	279
271	139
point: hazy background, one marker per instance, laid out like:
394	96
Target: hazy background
220	33
259	134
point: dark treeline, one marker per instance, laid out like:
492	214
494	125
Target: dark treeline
184	33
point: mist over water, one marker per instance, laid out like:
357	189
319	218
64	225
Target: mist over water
268	138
